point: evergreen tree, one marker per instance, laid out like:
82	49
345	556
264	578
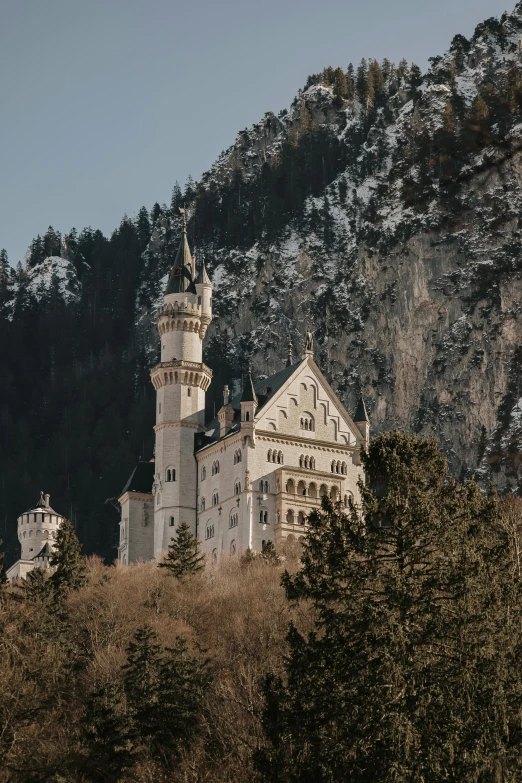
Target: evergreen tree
340	88
36	251
69	566
361	82
411	671
164	689
4	269
350	82
177	199
155	213
190	190
37	586
52	243
143	228
107	734
269	553
183	556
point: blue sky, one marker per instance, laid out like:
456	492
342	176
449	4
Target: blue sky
105	103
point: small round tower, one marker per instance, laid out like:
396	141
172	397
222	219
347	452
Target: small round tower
37	531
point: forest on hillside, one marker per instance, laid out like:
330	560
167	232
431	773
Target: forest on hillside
387	648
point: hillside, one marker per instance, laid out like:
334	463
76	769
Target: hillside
382	209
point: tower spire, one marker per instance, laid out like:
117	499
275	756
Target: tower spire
181	277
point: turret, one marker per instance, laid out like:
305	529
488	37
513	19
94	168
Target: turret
204	291
248	405
37	530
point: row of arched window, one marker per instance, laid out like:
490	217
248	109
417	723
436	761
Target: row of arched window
307	462
275	456
339	467
39	534
306	423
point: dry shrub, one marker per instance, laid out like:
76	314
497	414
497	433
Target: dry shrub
237	617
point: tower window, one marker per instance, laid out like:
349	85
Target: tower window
199	300
263	516
171	521
189	391
203	473
159	408
247	416
215	499
170	474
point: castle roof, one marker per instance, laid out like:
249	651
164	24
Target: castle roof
264	389
141	479
249	394
202	275
180	278
46	551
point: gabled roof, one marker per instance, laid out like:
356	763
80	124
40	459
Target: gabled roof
141	479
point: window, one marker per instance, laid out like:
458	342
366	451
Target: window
269	455
344	468
233	547
199	300
306	422
263	516
237	456
202	504
215	467
171	521
233	520
264	486
189	391
159	408
215	498
237	488
247	416
209	531
203	473
170	474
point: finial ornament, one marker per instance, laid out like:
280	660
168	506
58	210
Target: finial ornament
41	502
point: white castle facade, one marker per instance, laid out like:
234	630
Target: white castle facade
257	470
37	529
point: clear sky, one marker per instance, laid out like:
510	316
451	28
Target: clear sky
105	103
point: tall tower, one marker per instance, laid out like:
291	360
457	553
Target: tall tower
181	381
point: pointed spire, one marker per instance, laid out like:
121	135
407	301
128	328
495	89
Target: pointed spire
249	394
203	277
290	359
361	413
180	279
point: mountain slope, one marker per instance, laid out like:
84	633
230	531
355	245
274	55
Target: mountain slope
382	210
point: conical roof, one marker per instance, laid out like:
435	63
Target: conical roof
180	278
249	394
361	413
202	275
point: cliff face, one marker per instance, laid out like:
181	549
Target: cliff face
405	258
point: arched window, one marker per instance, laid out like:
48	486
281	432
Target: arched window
301	488
202	504
209	530
170	474
247	416
237	488
307	422
233	519
215	467
269	455
237	456
203	473
171	521
215	498
332	466
301	461
301	518
312	463
189	392
263	516
264	486
290	516
344	469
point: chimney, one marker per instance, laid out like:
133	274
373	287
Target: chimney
226	395
47	498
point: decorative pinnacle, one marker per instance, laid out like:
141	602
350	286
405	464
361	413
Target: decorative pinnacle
290	359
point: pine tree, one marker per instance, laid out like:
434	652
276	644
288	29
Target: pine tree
164	689
350	82
37	586
177	199
69	566
183	556
412	666
143	228
52	243
107	734
269	553
361	82
340	88
155	213
4	269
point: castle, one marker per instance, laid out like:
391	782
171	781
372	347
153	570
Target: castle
255	472
37	529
